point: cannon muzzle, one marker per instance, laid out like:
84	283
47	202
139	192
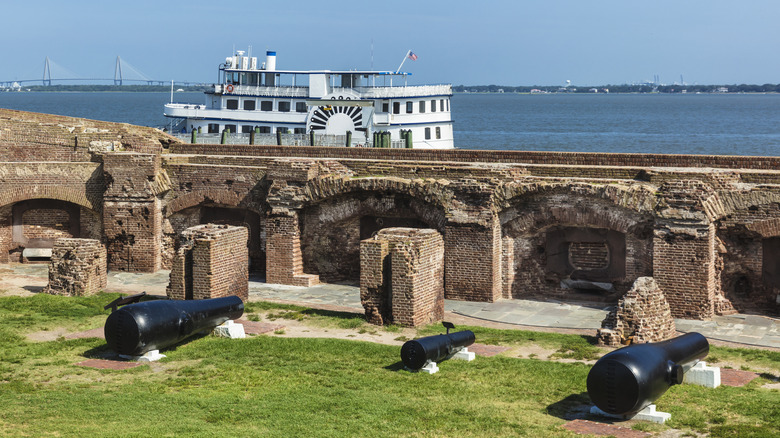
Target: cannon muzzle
415	353
627	380
138	328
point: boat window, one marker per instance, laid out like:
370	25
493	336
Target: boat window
438	132
266	105
433	106
284	107
246	129
253	79
249	105
299	130
213	128
427	133
385	107
282	129
422	106
396	107
441	104
300	107
230	128
265	129
409	107
232	104
448	104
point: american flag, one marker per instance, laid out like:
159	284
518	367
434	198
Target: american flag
412	56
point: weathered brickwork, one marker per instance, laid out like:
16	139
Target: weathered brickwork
514	224
212	262
402	276
78	267
642	315
132	218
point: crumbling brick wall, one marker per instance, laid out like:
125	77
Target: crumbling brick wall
402	278
642	315
78	267
212	262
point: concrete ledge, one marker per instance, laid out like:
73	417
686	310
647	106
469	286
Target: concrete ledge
702	375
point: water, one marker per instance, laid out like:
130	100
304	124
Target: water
717	124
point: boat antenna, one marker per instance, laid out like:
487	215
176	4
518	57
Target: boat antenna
404	60
372	54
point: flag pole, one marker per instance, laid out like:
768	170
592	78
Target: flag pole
402	62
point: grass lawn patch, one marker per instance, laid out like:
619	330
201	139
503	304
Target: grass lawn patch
278	386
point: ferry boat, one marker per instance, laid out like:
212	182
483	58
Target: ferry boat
358	108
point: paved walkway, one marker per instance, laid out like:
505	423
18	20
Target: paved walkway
744	329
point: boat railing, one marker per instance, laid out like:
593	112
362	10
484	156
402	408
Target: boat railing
250	90
287	140
408	91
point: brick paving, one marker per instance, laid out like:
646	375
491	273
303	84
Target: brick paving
487	350
584	427
257	327
729	377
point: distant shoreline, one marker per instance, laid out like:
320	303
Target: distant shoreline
457	89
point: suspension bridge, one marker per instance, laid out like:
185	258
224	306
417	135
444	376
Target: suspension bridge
124	73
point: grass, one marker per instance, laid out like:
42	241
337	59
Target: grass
274	386
565	346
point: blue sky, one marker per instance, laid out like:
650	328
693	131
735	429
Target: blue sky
459	42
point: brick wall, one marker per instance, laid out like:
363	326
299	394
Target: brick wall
683	266
77	268
472	261
476	156
212	262
132	218
642	315
284	263
402	278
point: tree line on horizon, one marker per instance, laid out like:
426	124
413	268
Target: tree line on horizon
125	88
624	88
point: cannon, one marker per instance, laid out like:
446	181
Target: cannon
625	381
417	352
136	329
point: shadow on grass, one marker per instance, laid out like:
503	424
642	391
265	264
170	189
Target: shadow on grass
574	406
104	352
398	366
334	314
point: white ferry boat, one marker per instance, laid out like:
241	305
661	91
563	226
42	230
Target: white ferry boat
359	108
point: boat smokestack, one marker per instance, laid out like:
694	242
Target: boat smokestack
270	60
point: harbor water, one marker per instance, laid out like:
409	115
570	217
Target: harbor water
716	124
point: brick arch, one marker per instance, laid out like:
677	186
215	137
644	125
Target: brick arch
734	202
545	225
225	198
432	194
60	193
341	212
637	197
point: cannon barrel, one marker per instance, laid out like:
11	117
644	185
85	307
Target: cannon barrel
627	380
417	352
138	328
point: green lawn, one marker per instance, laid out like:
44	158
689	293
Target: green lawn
275	386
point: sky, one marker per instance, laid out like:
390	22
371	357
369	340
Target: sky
520	42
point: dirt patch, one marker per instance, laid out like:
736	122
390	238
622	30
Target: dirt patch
21	285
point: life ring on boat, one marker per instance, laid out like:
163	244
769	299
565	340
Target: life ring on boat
229	88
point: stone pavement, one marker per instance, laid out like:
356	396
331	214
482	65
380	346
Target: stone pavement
744	329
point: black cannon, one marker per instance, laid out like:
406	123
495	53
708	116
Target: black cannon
138	328
416	353
627	380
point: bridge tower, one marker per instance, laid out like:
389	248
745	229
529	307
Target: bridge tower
118	71
46	73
